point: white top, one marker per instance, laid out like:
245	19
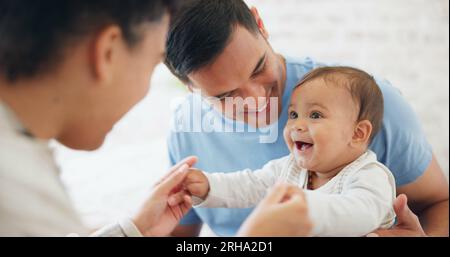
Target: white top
33	200
357	201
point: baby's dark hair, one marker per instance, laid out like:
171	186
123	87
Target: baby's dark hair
362	87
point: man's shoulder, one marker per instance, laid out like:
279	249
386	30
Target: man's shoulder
301	63
298	67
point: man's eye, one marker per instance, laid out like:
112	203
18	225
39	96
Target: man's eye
259	72
315	115
293	115
223	96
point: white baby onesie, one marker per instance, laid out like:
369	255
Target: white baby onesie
357	201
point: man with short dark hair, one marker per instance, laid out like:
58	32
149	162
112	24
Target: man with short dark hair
221	48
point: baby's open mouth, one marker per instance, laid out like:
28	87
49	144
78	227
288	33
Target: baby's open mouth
303	146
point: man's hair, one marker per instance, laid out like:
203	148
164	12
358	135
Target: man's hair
34	34
200	32
362	87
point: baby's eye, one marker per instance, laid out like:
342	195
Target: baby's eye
293	115
315	115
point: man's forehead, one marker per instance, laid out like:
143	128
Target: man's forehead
235	64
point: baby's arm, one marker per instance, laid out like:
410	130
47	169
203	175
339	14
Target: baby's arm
241	189
364	205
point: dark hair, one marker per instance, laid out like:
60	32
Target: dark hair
362	87
200	32
33	34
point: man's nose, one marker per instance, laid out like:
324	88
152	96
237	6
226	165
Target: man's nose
254	91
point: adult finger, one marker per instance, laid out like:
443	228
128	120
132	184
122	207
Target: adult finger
403	213
173	181
177	198
187	204
190	161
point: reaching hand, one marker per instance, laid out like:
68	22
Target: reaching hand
197	183
282	213
408	223
159	218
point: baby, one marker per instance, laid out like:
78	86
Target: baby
334	114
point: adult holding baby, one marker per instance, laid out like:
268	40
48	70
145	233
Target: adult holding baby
69	70
221	48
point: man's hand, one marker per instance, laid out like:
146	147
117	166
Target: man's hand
282	213
159	218
408	224
197	183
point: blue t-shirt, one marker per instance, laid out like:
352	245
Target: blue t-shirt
400	145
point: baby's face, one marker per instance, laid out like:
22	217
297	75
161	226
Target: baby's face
321	124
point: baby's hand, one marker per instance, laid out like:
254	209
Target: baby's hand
197	183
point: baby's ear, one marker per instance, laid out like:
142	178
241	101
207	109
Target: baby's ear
362	132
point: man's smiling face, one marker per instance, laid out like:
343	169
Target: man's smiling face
249	69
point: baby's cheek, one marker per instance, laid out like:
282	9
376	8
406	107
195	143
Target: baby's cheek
345	136
287	139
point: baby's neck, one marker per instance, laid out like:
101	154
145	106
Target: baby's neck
320	178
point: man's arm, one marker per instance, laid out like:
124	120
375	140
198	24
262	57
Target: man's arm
402	146
428	198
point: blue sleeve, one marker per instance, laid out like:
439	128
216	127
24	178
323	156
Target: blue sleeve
174	156
401	144
191	217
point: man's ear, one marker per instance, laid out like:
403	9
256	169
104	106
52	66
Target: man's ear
104	53
362	132
190	87
260	23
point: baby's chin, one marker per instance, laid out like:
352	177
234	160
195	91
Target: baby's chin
303	162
